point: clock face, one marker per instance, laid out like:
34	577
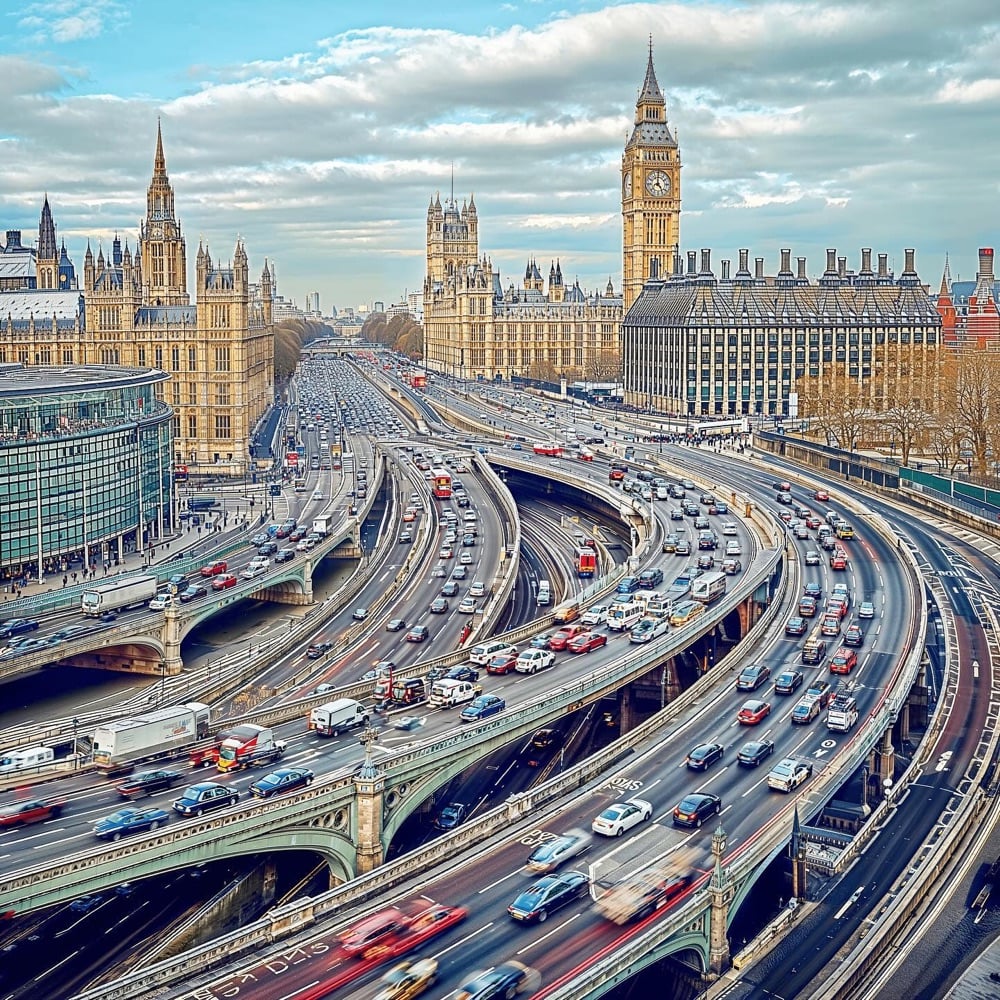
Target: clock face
157	231
627	185
658	183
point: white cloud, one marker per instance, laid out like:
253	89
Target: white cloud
800	122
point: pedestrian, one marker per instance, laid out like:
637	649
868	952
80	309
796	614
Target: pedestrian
65	581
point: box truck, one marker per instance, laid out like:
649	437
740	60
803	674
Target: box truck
165	730
129	591
337	717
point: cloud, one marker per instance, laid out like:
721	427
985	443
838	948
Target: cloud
802	122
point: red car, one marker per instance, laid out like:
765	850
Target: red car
224	582
502	663
821	495
29	811
215	569
753	712
394	932
563	636
586	641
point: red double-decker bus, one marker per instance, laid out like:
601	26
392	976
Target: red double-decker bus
586	562
441	484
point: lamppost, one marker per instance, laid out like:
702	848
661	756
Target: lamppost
163	679
76	758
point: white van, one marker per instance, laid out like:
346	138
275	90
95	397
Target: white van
544	597
20	760
483	652
622	616
657	604
448	693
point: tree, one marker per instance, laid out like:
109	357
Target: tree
908	421
604	367
289	337
977	403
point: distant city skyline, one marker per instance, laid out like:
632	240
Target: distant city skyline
318	134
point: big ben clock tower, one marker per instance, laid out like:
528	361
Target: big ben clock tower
651	191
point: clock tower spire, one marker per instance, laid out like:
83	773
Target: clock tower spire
164	254
651	191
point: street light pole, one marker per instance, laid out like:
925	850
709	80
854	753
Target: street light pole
163	680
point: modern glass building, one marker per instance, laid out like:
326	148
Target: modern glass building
85	465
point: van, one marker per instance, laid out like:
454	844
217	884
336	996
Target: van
483	652
544	596
448	693
660	605
337	716
733	548
814	648
566	614
622	616
29	757
650	578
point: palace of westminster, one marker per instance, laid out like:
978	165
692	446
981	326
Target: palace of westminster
680	336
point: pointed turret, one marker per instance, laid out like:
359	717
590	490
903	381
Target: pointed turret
47	253
650	92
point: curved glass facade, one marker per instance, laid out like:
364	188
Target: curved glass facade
85	465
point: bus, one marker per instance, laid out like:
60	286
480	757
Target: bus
299	484
709	587
202	503
441	483
180	473
549	448
586	562
418	380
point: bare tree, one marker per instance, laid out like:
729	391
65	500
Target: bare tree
908	421
605	366
977	403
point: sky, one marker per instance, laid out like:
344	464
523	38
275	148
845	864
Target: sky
317	131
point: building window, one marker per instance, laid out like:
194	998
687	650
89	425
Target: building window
192	359
222	359
222	428
222	394
192	426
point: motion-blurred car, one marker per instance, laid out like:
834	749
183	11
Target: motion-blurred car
29	811
504	981
131	820
408	980
147	782
621	816
550	855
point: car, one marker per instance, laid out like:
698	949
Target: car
482	708
112	616
177	580
854	636
132	819
260	539
830	625
550	892
813	590
146	782
751	677
843	661
788	681
502	981
704	755
408	722
586	641
753	752
533	660
395	624
439	606
477	589
408	980
597	614
796	625
729	528
215	568
647	629
622	816
549	856
451	816
731	565
405	537
468	606
502	663
866	609
450	589
192	592
676	514
753	712
683	547
284	779
695	808
409	515
562	637
446	553
807	607
805	710
419	633
29	811
459	573
317	649
541	641
821	495
462	672
17	626
359	614
205	796
224	582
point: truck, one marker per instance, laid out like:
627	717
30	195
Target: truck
254	745
322	525
550	448
338	716
643	893
788	774
127	592
447	693
842	715
709	587
124	742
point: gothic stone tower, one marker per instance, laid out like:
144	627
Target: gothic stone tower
164	255
651	192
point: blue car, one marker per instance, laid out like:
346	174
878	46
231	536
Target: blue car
285	779
483	707
130	820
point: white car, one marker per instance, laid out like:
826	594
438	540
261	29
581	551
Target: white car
595	615
465	559
477	589
649	628
866	609
533	660
812	558
467	607
729	528
253	570
622	816
318	495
